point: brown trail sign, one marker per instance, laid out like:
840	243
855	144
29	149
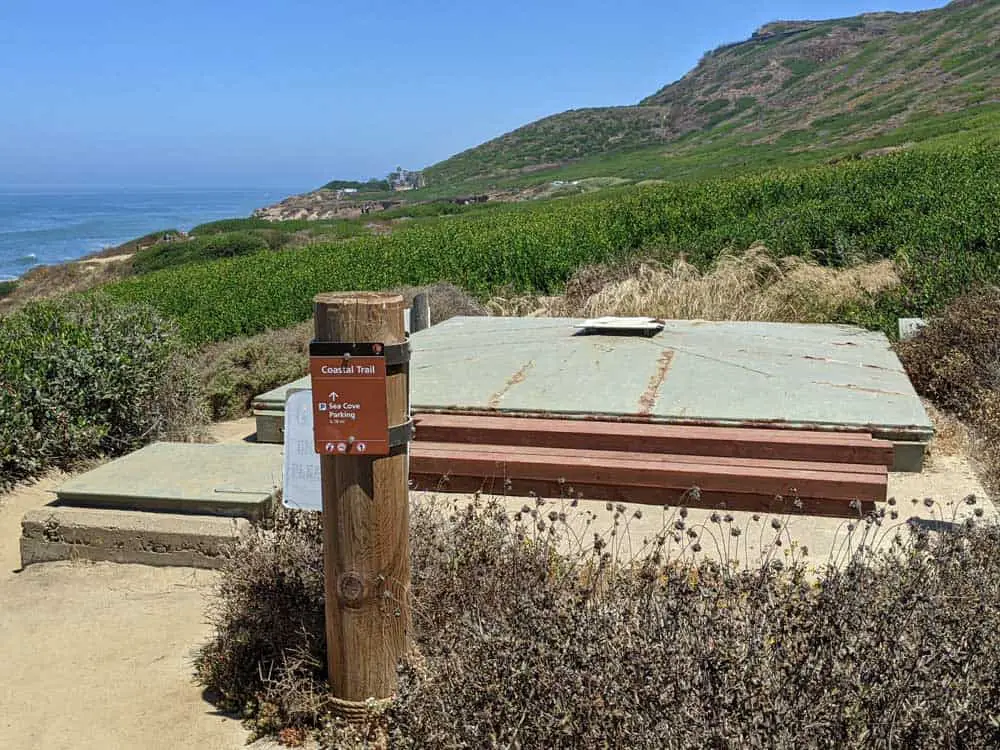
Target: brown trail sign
366	553
349	398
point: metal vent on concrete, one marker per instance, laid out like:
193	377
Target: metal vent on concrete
617	326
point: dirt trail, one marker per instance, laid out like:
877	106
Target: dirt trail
98	656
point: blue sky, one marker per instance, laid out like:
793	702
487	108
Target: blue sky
292	93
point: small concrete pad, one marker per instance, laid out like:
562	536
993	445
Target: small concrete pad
269	410
161	539
910	327
209	479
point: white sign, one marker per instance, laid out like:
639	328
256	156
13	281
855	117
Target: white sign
303	489
302	486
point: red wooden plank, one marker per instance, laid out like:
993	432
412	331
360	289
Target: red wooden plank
726	501
464	420
852	448
505	461
556	454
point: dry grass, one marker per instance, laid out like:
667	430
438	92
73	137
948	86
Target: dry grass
750	286
952	437
445	301
520	644
48	282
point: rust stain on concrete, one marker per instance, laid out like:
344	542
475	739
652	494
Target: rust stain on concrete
648	399
517	377
862	389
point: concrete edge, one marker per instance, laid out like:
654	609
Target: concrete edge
34	551
909	457
252	507
59	533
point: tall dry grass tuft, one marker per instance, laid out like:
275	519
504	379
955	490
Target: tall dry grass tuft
749	286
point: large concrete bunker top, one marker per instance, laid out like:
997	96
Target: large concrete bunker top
727	373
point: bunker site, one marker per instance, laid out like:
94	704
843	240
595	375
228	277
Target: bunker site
818	423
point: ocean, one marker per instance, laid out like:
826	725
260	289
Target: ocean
43	227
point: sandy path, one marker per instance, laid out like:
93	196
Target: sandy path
98	656
103	261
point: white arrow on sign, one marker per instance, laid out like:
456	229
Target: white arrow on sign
333	395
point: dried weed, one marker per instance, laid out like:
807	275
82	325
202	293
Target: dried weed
523	644
748	286
955	363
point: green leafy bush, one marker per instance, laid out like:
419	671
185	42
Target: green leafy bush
209	247
88	379
225	226
521	643
281	233
233	372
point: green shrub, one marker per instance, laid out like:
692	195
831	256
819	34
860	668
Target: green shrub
233	372
519	644
225	226
800	66
209	247
147	240
88	379
7	287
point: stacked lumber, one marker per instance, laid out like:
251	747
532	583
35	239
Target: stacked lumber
765	470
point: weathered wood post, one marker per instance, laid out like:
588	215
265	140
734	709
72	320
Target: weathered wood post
420	313
366	552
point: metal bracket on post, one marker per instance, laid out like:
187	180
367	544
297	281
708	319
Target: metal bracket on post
401	434
395	354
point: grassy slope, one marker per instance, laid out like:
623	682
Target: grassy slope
803	91
934	211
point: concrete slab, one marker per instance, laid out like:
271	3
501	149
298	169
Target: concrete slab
829	377
209	479
161	539
728	373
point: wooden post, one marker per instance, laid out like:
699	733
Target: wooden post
366	549
420	313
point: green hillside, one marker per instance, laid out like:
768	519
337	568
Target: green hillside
802	89
933	212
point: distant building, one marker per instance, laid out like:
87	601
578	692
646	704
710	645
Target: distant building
404	179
